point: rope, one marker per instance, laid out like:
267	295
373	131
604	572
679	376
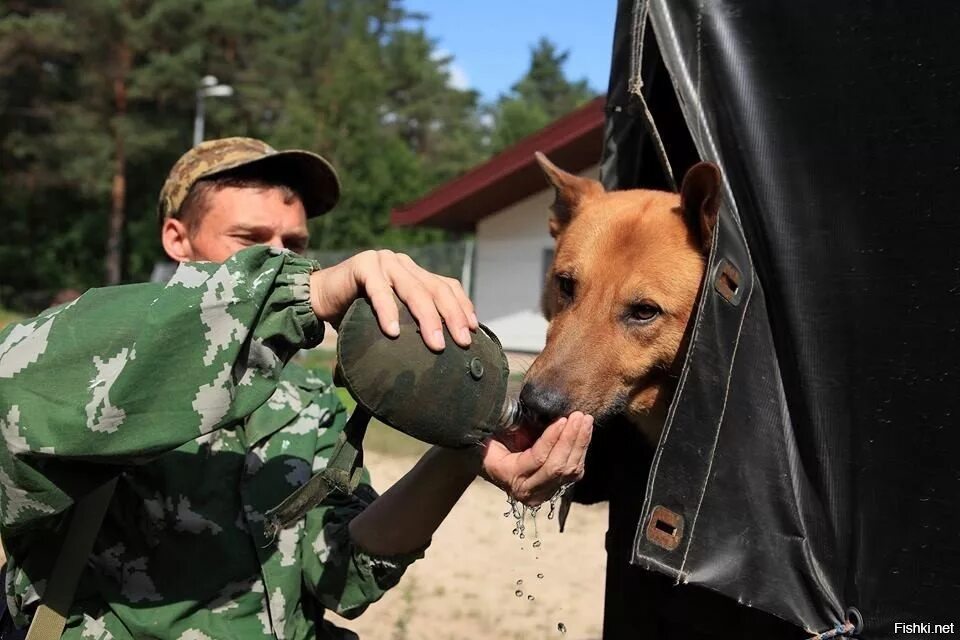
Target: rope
638	32
635	88
658	142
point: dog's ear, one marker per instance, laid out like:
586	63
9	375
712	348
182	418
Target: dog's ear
570	192
700	201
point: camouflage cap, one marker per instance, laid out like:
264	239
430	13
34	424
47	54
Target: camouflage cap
309	174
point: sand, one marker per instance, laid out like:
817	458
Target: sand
465	586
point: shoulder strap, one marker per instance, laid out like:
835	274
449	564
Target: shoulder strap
51	616
342	474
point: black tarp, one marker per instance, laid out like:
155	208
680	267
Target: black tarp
812	452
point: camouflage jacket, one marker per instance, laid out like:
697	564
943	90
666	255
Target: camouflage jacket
186	392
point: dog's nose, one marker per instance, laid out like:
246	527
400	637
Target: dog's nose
543	403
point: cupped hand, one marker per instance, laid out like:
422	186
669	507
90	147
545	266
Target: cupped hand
555	459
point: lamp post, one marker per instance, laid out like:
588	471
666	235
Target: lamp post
209	87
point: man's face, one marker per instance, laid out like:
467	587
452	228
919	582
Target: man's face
236	218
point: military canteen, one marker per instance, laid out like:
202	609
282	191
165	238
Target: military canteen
454	398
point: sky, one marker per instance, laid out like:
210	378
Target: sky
490	40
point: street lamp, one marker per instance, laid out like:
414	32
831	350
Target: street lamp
209	87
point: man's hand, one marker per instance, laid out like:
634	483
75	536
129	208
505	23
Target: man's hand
555	459
377	275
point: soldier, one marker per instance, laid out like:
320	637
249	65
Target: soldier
186	394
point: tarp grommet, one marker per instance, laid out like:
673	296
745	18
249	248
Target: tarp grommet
727	281
665	528
855	618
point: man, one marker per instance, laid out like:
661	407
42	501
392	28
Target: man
186	392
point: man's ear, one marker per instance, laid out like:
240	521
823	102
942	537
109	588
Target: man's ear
175	238
571	190
700	201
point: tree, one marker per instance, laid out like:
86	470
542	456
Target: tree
77	76
541	96
97	100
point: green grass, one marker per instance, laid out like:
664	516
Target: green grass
383	439
7	316
323	359
401	627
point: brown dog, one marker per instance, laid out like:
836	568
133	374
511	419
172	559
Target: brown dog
619	295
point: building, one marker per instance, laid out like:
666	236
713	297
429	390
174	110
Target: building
505	203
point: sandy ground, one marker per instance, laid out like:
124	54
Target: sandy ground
465	586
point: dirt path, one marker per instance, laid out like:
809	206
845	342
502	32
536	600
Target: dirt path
465	586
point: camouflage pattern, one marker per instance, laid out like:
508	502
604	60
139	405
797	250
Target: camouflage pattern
186	392
311	172
454	398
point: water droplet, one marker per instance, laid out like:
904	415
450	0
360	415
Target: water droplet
536	544
540	575
556	499
518	593
519	583
519	512
522	536
562	628
530	598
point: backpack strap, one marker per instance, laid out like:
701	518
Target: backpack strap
51	616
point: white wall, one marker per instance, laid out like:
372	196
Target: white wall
508	271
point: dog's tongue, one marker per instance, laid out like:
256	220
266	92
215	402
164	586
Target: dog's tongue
520	437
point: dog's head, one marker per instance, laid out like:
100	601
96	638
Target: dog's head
619	295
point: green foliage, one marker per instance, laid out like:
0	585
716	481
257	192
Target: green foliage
103	88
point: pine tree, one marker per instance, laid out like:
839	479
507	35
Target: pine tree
541	96
97	100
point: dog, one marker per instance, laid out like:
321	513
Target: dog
618	297
627	272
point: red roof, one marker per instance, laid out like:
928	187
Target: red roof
574	143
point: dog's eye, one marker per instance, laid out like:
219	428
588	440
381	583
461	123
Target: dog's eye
642	312
566	284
